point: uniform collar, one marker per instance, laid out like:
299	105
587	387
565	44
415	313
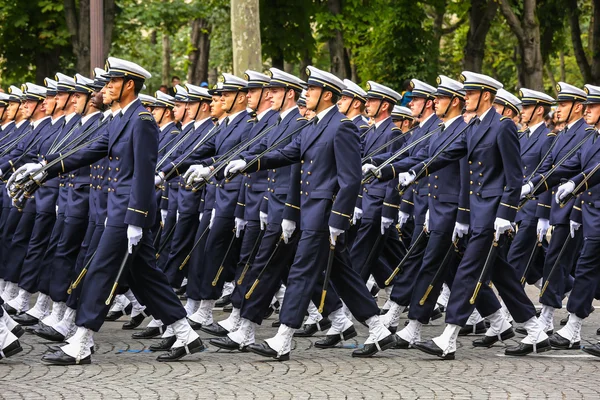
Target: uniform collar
69	116
533	128
569	126
3	127
21	123
323	113
262	114
124	109
87	117
55	120
485	113
285	113
232	116
451	120
37	123
200	122
422	123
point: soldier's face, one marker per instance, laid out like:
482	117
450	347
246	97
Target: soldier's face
11	110
49	104
302	110
441	104
61	100
344	104
313	94
592	113
527	112
471	100
417	104
254	97
215	107
227	99
563	110
79	99
158	112
113	88
277	95
179	110
106	99
372	106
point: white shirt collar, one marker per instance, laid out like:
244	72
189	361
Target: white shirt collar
200	122
572	123
285	113
86	118
35	124
426	119
21	122
3	127
106	114
533	128
322	114
69	116
187	124
232	116
124	109
485	113
262	114
55	120
451	120
378	124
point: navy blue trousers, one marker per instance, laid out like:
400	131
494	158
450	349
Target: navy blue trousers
20	244
95	236
503	275
520	250
12	221
170	222
181	244
310	261
587	273
220	238
196	262
148	283
252	234
46	262
437	247
32	265
560	281
405	282
63	264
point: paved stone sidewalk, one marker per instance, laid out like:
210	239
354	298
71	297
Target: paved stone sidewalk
123	369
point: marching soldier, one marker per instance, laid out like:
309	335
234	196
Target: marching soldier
575	135
352	105
130	214
508	105
329	155
492	149
402	118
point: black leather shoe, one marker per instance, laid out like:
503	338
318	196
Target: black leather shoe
522	331
11	350
524	349
564	321
25	320
226	343
177	353
593	349
181	291
164	345
333	340
560	343
115	315
18	331
436	314
489	341
401	344
10	309
264	350
268	312
134	322
598	331
393	329
148	333
49	333
62	358
53	348
369	350
310	329
430	347
223	301
375	290
476	329
277	324
214	329
195	325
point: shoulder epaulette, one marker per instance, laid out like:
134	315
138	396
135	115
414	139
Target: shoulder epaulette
251	120
144	112
302	119
346	119
503	118
589	128
175	132
146	116
551	134
396	128
364	126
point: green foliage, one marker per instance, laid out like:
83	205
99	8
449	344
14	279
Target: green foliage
30	28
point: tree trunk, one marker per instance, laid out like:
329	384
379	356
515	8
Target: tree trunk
340	65
166	59
245	35
78	24
527	32
481	14
595	45
198	58
582	61
109	25
46	64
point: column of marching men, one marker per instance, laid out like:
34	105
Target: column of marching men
271	191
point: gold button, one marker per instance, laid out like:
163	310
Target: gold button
311	161
301	171
478	194
274	170
115	179
434	197
109	168
435	187
471	172
436	177
429	184
479	162
301	161
308	172
306	193
471	192
429	194
470	162
480	174
307	182
273	180
471	182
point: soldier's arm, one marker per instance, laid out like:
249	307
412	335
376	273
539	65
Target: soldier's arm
508	145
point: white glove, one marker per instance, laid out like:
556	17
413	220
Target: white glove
190	174
163	216
526	189
287	227
357	215
240	224
573	227
367	168
212	218
460	230
157	180
177	216
234	166
200	217
134	235
427	221
334	233
385	223
263	220
501	226
563	190
406	178
199	176
28	169
542	228
402	218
